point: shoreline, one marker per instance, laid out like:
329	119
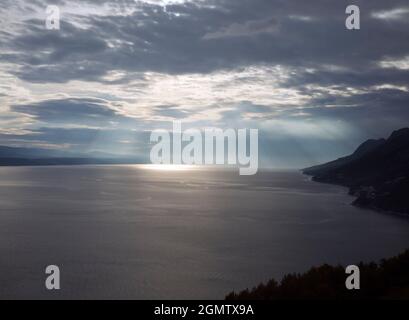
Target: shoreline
372	208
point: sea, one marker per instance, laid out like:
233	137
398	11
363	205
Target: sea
151	232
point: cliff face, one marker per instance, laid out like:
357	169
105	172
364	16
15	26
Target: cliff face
377	173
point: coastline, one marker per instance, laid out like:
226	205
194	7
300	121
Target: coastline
354	203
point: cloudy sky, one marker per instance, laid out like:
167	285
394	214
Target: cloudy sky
118	69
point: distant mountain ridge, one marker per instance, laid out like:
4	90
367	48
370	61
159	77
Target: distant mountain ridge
17	156
377	173
16	152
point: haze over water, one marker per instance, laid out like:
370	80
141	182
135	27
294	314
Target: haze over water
136	233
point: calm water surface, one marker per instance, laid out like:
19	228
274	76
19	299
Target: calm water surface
135	233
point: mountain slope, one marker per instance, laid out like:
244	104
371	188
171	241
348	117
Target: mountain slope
377	173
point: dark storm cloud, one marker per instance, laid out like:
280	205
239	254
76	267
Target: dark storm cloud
371	114
384	110
91	112
379	99
195	38
339	70
354	77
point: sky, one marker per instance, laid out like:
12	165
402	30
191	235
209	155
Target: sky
116	70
